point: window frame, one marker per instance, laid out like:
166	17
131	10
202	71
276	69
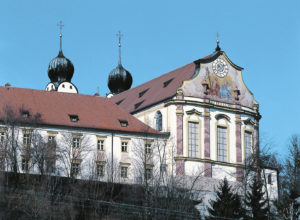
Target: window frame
269	179
25	168
124	166
146	173
196	140
100	144
148	148
2	137
222	120
100	164
158	121
223	144
76	144
28	134
127	145
77	163
247	131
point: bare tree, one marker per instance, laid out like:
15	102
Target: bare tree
287	205
71	151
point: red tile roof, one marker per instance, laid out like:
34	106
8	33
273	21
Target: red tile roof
94	112
155	90
161	88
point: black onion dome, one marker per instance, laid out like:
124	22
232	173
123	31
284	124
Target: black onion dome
119	80
60	69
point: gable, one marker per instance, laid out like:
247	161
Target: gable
224	84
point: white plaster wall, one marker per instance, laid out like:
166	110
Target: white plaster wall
67	87
194	168
273	187
89	153
50	87
220	172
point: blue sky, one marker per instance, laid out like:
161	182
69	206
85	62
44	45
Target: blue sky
159	36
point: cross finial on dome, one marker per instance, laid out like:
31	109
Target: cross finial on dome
60	25
119	36
218	47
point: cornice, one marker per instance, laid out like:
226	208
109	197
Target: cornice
211	105
210	161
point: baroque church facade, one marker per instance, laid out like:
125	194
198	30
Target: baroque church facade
199	120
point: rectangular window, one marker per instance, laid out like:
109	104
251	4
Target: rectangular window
148	173
75	169
50	166
76	142
100	145
124	172
248	144
2	164
193	138
124	146
26	139
148	149
270	178
222	144
2	137
25	164
100	170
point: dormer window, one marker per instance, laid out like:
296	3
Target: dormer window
119	102
123	123
166	83
25	114
143	93
74	118
138	104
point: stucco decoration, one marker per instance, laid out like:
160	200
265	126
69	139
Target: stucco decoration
230	88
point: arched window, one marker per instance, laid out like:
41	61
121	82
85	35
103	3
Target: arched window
222	142
158	117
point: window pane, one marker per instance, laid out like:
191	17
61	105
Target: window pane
148	148
100	170
124	147
124	172
248	144
158	121
100	144
222	144
193	135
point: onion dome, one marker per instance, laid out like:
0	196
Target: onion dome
119	79
60	68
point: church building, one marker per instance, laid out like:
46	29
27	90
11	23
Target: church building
199	120
211	115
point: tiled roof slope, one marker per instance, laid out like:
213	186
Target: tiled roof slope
155	90
94	112
158	89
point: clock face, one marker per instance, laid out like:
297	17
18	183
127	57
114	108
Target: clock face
220	67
